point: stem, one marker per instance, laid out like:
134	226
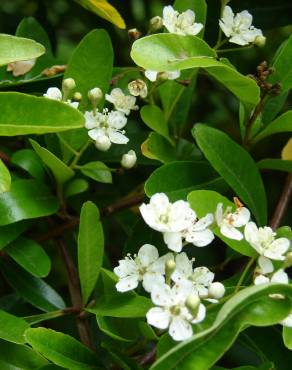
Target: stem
234	49
79	154
68	146
219	42
282	203
244	273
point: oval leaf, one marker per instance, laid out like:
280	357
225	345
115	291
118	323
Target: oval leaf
12	328
30	162
97	171
154	118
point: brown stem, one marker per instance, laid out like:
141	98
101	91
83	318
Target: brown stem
283	203
5	158
148	358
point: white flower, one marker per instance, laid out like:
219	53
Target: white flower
201	277
181	24
56	94
229	221
106	124
138	88
129	159
198	233
172	312
239	28
263	240
279	277
169	218
21	67
123	103
153	75
146	267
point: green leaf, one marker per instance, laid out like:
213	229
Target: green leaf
110	326
97	171
177	179
275	164
30	255
12	328
60	170
13	49
105	10
30	162
281	124
287	337
91	65
157	147
76	186
9	233
5	178
20	357
23	114
122	305
236	166
31	289
178	52
205	201
251	306
30	199
90	248
61	349
154	118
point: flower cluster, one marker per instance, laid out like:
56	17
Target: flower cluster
55	93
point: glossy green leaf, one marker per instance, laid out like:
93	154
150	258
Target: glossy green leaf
30	199
90	248
154	118
5	178
30	255
157	147
12	328
178	179
29	161
183	52
61	349
13	49
275	164
110	326
32	289
282	123
97	171
76	186
9	233
287	337
251	306
23	114
60	170
236	166
91	64
205	201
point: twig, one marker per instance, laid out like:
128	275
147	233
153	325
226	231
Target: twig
148	358
5	158
282	204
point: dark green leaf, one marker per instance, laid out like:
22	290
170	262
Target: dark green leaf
30	162
287	337
275	164
74	187
154	118
9	233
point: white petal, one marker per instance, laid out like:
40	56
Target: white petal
159	265
204	222
90	121
150	280
277	248
231	232
126	267
173	75
266	265
200	238
261	279
181	291
158	317
161	295
117	137
241	217
127	283
219	214
202	275
53	93
151	75
173	241
180	329
184	265
280	277
201	314
117	120
96	133
147	254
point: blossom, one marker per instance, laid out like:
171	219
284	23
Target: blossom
56	94
123	103
147	267
279	277
106	125
180	23
171	311
129	159
198	233
239	28
138	88
153	75
229	221
263	240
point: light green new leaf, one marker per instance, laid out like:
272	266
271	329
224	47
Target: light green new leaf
281	124
287	337
12	328
97	171
154	118
178	52
205	201
13	49
61	349
251	306
90	248
60	170
236	166
30	199
177	179
23	114
30	255
275	164
5	178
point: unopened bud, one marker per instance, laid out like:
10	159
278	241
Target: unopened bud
129	159
68	84
260	41
103	143
216	290
192	304
156	23
134	34
95	95
77	96
138	88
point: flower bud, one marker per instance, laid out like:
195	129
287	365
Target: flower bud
134	34
169	269
260	41
77	96
192	304
156	23
68	84
129	159
138	88
216	290
103	143
95	95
